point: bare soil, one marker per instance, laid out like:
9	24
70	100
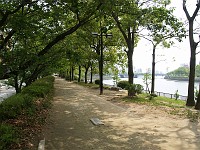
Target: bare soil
127	126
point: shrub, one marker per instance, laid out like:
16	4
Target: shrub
24	103
134	89
97	81
123	84
36	91
8	136
176	95
15	105
151	96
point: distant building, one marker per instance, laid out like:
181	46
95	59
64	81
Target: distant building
184	65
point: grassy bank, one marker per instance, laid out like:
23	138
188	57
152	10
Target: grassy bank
22	115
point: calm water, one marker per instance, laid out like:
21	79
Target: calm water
162	85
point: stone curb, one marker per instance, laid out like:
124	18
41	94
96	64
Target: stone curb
41	145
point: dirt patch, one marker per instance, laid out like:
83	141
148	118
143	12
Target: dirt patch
126	126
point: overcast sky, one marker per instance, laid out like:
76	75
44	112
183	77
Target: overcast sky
175	56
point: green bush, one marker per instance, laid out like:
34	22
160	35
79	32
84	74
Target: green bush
15	105
8	136
25	102
36	91
134	89
97	81
123	84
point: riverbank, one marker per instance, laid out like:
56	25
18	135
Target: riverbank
197	79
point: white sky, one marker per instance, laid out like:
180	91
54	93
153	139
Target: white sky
180	52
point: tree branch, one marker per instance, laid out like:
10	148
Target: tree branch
120	27
185	10
5	41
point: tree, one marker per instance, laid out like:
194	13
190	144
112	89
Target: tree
55	19
129	17
193	46
180	72
164	28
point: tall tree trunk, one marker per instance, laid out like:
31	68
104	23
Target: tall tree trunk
91	73
190	98
130	39
153	70
86	71
17	88
72	73
79	73
193	46
130	43
130	68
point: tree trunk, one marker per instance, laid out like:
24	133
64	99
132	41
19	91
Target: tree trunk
153	70
86	71
193	45
72	73
91	73
130	68
17	89
190	98
79	74
130	59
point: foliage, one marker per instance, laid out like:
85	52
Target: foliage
134	89
8	136
176	95
197	69
23	110
151	96
14	106
25	102
147	81
181	71
39	88
196	92
116	79
123	84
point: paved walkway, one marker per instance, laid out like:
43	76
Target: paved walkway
69	126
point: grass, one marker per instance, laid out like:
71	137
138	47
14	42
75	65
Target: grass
173	106
156	101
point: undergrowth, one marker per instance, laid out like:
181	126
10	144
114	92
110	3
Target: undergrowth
21	115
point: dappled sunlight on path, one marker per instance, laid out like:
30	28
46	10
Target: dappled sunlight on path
125	128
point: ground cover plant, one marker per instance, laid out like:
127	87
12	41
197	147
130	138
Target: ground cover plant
22	115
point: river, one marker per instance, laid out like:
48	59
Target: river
6	91
162	85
